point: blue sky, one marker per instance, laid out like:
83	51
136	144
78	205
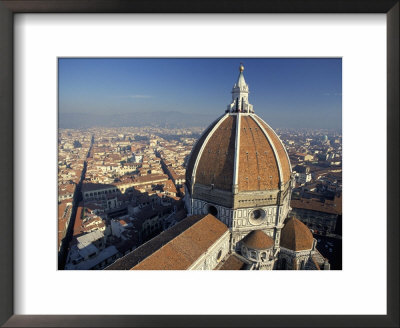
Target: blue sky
306	93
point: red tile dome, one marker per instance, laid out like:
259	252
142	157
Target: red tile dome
296	236
239	149
258	240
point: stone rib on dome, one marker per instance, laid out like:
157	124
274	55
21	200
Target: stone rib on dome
196	150
258	240
216	164
296	236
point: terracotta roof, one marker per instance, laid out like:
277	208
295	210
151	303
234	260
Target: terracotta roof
67	188
146	250
181	252
150	178
258	168
233	262
217	159
258	163
196	150
296	236
258	240
280	150
316	205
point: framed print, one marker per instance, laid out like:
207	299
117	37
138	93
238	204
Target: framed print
43	41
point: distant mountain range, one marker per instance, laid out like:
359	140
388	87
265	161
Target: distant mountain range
171	119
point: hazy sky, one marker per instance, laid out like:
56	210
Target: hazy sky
285	92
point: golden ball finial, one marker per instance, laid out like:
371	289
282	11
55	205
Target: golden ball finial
241	68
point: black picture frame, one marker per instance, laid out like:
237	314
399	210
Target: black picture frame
7	10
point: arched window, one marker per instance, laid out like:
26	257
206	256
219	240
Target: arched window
212	210
219	255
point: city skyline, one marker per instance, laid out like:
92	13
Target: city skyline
288	92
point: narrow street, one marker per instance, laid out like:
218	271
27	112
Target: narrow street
62	255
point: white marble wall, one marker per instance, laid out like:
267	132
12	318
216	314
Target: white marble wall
202	207
290	256
214	255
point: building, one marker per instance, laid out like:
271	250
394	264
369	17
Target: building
66	191
302	174
237	194
321	217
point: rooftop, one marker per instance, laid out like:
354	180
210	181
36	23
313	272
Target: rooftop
296	236
176	248
258	240
233	262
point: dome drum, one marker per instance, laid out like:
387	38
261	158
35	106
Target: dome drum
241	199
257	198
212	195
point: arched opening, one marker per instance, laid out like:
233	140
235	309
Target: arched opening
219	255
283	264
212	210
244	251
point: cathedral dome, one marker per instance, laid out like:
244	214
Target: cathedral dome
258	240
239	170
296	236
239	152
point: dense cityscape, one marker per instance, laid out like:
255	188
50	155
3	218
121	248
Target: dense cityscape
120	187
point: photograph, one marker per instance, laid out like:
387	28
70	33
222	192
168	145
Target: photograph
199	163
185	144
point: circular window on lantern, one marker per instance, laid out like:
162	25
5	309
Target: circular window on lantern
257	216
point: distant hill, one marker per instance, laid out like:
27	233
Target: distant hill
172	119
